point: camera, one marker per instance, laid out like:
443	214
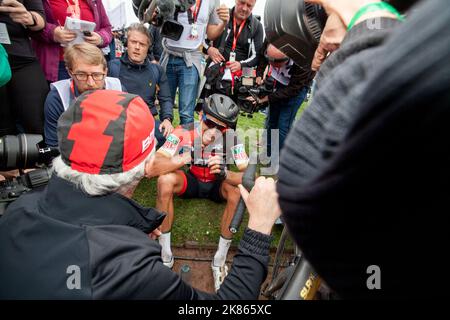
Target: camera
296	32
24	151
164	14
256	92
247	87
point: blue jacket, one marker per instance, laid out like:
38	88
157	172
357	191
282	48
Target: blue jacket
143	80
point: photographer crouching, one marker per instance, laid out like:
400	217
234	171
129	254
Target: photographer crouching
291	84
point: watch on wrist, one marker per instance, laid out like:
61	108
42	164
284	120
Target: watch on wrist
35	22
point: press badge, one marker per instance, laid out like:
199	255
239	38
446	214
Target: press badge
194	31
4	36
232	56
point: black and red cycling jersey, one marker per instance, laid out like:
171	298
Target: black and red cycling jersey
187	138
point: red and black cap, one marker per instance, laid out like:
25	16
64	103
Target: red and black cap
106	132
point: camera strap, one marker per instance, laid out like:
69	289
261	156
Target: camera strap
193	12
269	74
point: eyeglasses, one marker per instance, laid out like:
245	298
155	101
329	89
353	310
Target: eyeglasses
274	60
211	124
97	76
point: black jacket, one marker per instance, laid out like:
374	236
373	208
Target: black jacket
299	78
49	238
378	193
144	80
249	43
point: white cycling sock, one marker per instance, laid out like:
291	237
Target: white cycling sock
166	252
221	255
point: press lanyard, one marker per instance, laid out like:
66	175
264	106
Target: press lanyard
195	12
74	9
236	35
269	74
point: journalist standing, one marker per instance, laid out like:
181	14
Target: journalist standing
291	84
22	99
49	44
182	58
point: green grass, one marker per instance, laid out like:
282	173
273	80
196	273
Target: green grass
199	219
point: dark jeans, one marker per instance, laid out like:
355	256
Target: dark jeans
186	80
281	116
22	99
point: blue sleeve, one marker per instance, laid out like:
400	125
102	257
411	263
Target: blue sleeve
164	96
114	68
53	108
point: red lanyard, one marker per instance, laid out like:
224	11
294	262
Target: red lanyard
236	35
74	9
195	11
269	74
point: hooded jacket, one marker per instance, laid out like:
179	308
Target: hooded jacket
59	243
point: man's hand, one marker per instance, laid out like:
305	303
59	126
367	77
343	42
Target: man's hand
94	39
166	125
215	55
155	234
259	81
215	164
224	13
258	101
234	66
17	12
332	36
63	36
160	164
262	205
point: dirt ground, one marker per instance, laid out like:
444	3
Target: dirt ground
199	262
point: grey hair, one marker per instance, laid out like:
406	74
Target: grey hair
139	27
101	184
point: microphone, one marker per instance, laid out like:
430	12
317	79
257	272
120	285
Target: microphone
248	181
165	8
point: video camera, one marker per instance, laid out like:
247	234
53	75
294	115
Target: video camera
163	13
23	151
295	32
247	89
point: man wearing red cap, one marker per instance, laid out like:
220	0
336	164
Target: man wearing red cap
82	237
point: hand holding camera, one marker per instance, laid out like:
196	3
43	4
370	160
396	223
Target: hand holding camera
17	12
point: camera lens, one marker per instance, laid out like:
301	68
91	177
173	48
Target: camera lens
172	30
19	152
